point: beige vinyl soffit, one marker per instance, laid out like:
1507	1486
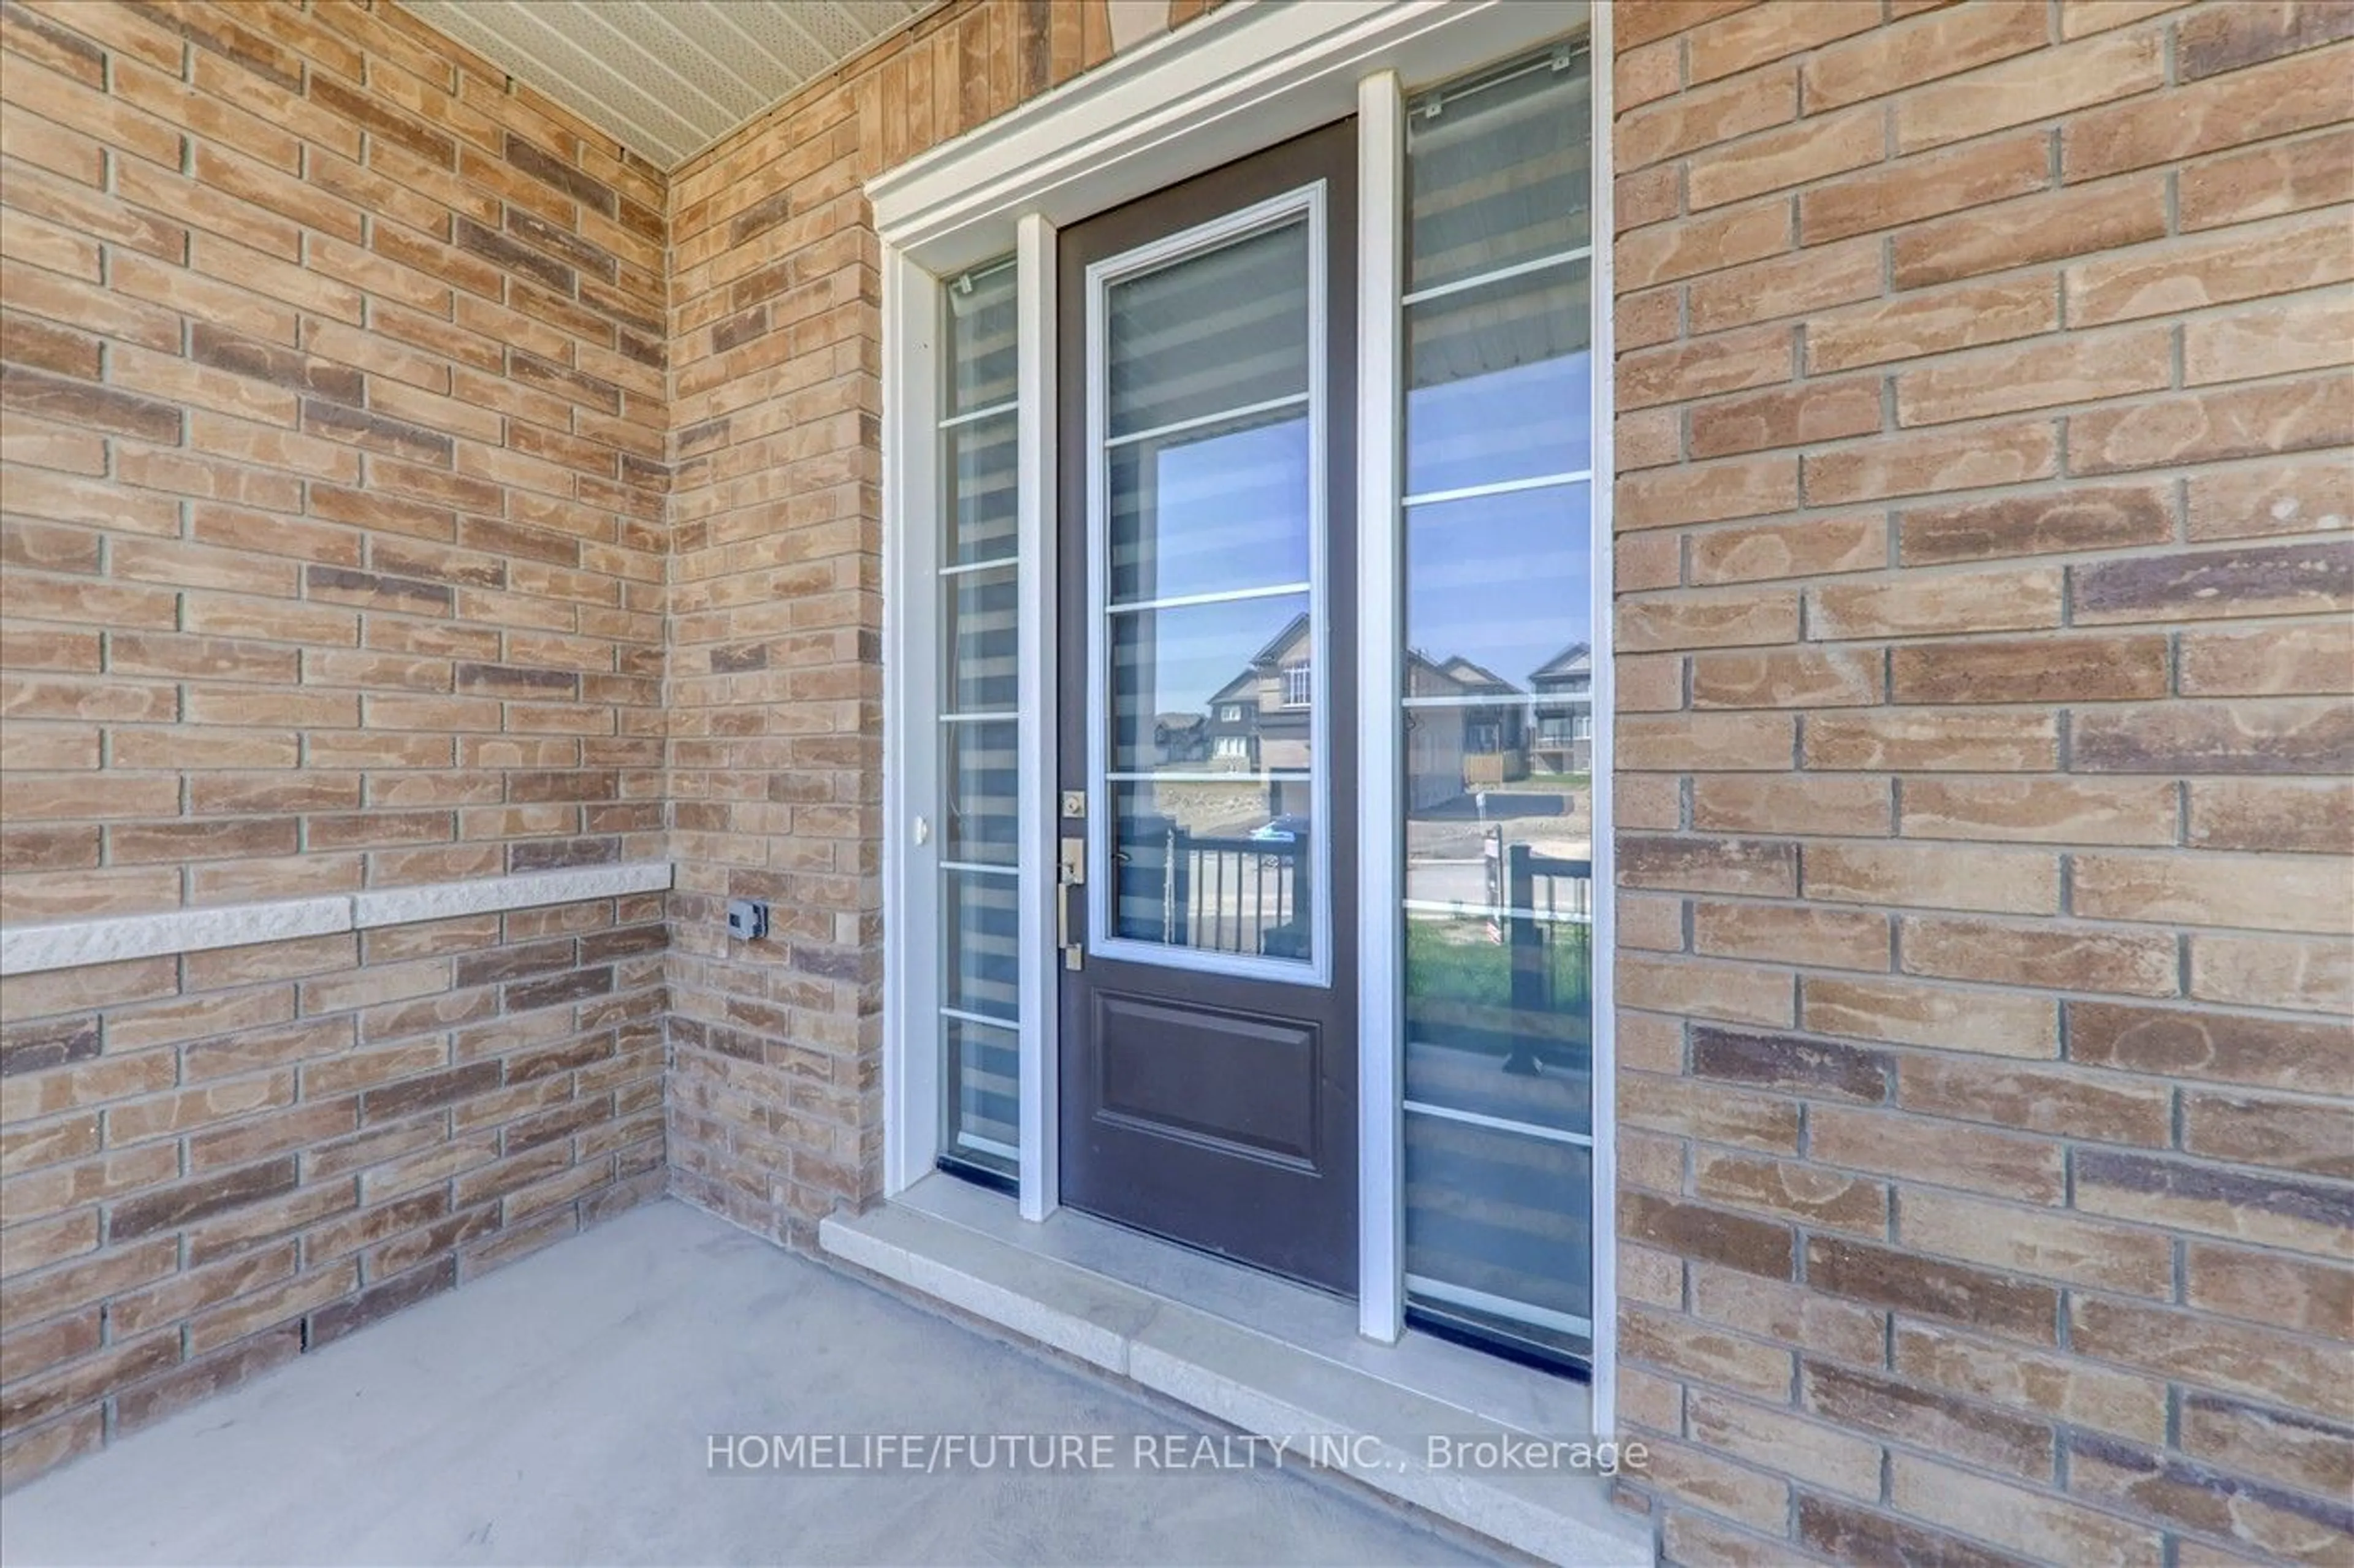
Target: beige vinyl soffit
668	77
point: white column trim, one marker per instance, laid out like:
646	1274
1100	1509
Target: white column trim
73	944
1603	1044
1381	889
912	1108
1034	283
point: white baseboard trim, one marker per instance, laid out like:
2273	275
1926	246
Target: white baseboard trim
73	944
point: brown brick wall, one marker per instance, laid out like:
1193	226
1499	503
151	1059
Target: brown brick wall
333	558
217	1160
334	463
776	688
1985	821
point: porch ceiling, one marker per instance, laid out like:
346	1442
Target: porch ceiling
668	77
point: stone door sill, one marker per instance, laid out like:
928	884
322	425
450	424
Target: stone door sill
1264	1356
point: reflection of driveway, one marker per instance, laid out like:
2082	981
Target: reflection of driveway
1445	844
1465	882
1502	805
1551	823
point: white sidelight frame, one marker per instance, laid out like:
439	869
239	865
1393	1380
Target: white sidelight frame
1160	112
1602	357
912	1113
1041	1180
1381	624
1260	217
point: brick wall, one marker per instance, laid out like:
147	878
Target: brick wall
218	1161
334	464
1983	646
776	686
333	558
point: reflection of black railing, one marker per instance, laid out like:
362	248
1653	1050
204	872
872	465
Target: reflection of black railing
1236	896
1541	903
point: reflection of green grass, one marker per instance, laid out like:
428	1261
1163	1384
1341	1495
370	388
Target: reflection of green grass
1453	961
1556	781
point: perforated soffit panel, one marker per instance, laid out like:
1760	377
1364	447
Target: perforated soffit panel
667	77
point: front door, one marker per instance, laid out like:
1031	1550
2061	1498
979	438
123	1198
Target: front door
1206	710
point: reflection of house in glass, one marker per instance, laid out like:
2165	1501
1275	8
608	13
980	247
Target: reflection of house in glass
1180	739
1454	742
1564	711
1467	727
1259	721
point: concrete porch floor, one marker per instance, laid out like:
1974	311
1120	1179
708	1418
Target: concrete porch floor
557	1412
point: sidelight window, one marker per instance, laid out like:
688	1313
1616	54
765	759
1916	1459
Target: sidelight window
1497	595
979	607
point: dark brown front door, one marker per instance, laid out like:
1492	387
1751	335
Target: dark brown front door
1206	711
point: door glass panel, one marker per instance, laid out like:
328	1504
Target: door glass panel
1208	629
1222	330
1217	866
1212	509
1223	688
1497	927
1498	383
980	765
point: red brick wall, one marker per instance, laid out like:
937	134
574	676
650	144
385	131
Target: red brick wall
333	558
1984	820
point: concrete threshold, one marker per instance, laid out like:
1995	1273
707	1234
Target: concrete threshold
1271	1359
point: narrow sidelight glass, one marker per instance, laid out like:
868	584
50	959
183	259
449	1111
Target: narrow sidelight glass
1497	788
979	607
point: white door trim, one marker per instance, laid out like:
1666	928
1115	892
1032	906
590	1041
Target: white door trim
911	702
1602	355
1380	878
1160	112
1041	1177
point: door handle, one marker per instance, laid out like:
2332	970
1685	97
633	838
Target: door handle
1073	875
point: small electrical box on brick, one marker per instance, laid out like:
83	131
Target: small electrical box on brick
748	918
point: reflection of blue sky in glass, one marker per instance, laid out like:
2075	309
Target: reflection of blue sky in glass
1502	580
1174	661
1517	423
1211	513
